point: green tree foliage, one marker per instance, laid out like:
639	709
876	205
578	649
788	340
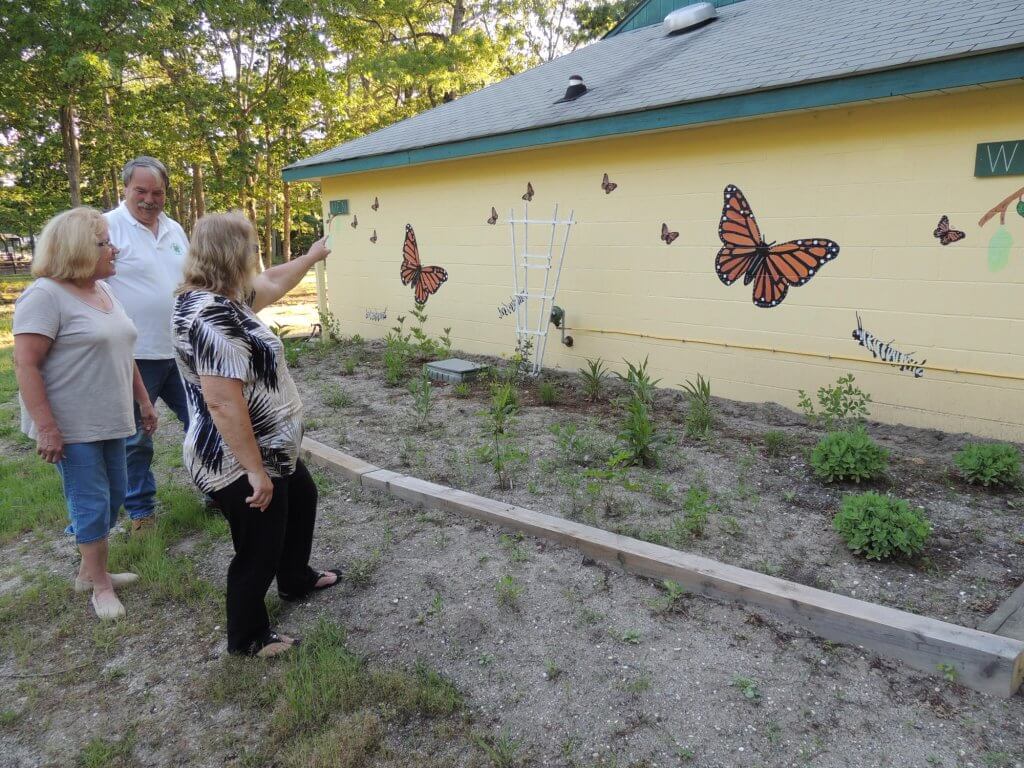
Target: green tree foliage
229	92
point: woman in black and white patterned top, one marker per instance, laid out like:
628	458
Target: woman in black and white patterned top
242	444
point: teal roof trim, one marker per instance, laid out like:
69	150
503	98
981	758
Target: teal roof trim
955	73
653	12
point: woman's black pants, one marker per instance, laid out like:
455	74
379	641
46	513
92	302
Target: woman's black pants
275	542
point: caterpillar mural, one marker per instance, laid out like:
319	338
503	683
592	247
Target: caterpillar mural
886	351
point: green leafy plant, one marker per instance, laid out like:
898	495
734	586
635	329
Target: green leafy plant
547	393
336	397
948	671
420	388
697	507
638	435
881	527
462	390
851	455
841	404
330	325
748	687
593	376
426	347
989	463
670	600
499	450
775	442
502	750
641	386
699	416
397	354
349	366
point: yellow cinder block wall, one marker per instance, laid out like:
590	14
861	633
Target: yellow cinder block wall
874	177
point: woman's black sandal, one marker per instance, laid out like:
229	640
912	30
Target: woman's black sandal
294	597
271	637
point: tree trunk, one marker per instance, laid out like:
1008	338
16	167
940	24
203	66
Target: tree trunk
72	156
268	208
198	192
286	224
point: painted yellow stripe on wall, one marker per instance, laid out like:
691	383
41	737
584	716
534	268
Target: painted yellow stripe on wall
875	178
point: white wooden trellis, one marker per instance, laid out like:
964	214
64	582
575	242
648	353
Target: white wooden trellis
534	301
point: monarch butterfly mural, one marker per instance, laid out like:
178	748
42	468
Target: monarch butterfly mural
424	280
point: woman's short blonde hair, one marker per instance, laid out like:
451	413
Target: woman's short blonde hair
222	255
68	247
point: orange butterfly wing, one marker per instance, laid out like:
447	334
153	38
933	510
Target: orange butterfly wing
425	280
790	264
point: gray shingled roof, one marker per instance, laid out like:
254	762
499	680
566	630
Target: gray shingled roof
754	45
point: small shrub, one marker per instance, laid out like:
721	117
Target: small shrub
641	385
548	393
396	359
462	390
593	379
330	325
881	527
699	416
775	442
842	403
420	388
696	510
989	463
574	446
640	438
851	455
349	366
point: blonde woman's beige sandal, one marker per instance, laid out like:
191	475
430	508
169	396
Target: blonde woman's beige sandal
116	579
107	607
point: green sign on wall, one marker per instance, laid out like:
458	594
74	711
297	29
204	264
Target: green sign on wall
1000	158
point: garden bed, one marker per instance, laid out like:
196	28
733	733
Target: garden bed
765	513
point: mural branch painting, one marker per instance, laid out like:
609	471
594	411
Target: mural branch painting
883	350
1002	241
773	269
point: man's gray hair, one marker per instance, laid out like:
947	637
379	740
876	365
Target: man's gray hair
144	161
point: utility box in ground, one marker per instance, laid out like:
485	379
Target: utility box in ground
454	370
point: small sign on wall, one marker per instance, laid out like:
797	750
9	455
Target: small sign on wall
1000	158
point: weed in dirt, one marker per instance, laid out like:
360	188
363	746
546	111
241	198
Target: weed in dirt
9	717
629	636
104	753
699	415
767	567
989	464
773	733
748	687
547	393
640	684
551	670
697	507
881	527
360	570
789	496
594	376
948	671
485	659
508	591
349	743
513	546
569	745
732	527
420	388
499	449
662	490
462	390
639	382
671	600
502	750
686	754
775	443
638	436
336	397
850	455
330	325
395	359
348	367
841	404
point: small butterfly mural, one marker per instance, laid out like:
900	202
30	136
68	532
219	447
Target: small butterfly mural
608	186
355	221
946	235
375	205
529	192
424	280
667	236
773	269
493	218
373	237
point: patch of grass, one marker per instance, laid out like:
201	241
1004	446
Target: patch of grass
348	367
462	390
508	592
42	596
671	600
336	397
9	717
360	570
502	750
512	544
104	753
775	442
551	670
32	496
547	393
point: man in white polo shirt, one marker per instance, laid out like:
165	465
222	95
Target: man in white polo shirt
149	269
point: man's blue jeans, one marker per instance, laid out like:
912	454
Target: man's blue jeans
162	381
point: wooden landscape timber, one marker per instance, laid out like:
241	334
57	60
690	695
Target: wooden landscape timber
982	661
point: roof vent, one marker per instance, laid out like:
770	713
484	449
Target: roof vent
690	16
575	90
